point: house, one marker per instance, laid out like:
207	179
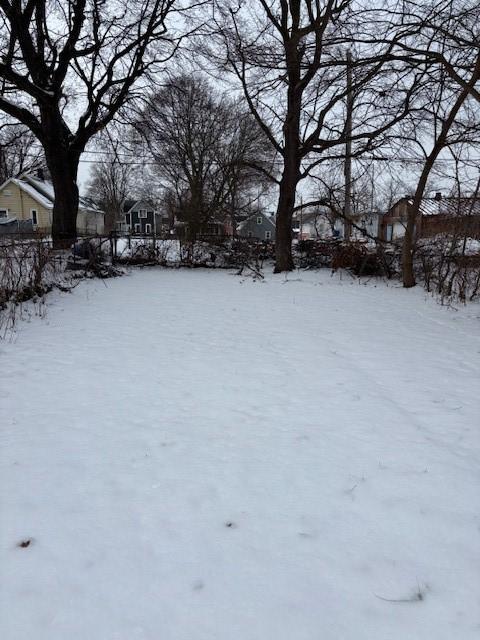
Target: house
438	214
140	216
312	225
26	204
322	224
258	226
364	225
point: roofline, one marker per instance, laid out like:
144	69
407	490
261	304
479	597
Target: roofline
254	215
41	199
18	182
2	186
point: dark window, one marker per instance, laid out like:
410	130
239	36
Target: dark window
34	217
128	218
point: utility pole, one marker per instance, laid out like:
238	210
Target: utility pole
348	152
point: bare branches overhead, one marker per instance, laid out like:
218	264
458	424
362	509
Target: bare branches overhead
70	67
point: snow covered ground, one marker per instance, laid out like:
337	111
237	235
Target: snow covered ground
198	456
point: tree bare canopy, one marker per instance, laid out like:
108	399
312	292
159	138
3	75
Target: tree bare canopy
444	38
291	60
442	33
19	151
68	67
111	179
211	157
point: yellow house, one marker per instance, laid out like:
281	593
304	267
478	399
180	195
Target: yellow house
28	201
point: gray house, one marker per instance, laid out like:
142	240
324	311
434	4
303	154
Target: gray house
258	226
138	216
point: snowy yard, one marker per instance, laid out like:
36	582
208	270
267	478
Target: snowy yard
197	456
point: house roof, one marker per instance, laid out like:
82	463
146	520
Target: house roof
42	192
449	207
130	204
27	188
242	224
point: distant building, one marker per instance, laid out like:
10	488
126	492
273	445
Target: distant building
312	225
364	225
140	216
258	226
26	205
438	214
321	223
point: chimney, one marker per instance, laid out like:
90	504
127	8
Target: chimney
438	196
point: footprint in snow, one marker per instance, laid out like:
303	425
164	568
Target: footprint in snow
23	544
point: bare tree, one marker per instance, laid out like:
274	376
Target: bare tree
444	37
112	178
444	33
291	60
248	165
67	69
19	151
208	153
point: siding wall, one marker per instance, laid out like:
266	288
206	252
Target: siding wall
19	205
252	229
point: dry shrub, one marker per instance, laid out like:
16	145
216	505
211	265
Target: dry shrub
28	270
449	267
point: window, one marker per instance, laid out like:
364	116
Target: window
3	213
34	214
137	228
142	213
148	228
249	234
389	232
259	219
128	218
268	235
7	193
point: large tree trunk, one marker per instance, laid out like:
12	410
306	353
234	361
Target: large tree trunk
413	216
65	210
414	210
290	177
283	232
62	161
408	248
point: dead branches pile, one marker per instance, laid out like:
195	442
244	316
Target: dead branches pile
357	257
28	270
449	267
